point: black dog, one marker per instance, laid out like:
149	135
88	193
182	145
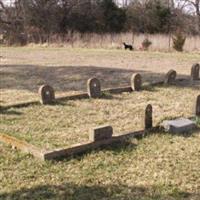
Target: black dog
128	46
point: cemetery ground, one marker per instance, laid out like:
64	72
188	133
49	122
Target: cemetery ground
159	166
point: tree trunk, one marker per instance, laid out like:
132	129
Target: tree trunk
198	13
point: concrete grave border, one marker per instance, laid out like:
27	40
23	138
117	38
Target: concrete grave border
86	95
100	137
104	134
22	145
69	151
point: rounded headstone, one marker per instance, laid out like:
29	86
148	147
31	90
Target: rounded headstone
170	77
197	106
136	82
47	94
94	88
149	117
195	72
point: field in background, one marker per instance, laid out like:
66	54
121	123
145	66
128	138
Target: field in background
161	166
24	70
160	42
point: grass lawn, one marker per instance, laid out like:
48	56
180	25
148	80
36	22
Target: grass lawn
161	166
71	121
156	167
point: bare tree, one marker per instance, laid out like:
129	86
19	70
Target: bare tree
192	5
11	23
3	12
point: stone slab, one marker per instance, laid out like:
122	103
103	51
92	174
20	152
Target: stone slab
181	125
101	133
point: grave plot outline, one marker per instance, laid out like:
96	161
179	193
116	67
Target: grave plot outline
136	85
99	137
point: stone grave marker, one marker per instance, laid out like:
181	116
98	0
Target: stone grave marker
136	82
101	133
170	77
181	125
195	72
47	94
197	106
148	117
94	88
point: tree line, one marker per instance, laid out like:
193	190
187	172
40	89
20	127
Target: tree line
37	20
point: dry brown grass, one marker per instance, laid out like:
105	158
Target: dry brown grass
160	42
71	121
160	166
23	70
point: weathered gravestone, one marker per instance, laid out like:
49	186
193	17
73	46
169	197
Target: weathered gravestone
136	82
47	94
101	133
197	106
94	88
148	121
195	72
170	77
181	125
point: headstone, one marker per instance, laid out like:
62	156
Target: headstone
47	94
170	77
181	125
136	82
197	106
148	117
101	133
94	88
195	72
